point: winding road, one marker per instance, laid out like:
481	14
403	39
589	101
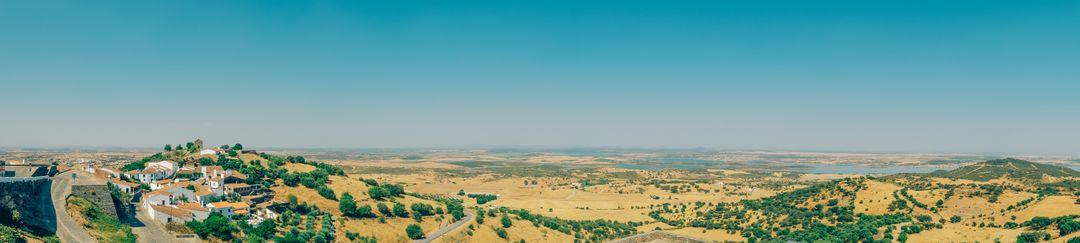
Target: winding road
446	229
66	228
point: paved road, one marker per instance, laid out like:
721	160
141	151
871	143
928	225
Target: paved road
66	228
442	231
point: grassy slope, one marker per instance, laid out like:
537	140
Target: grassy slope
103	227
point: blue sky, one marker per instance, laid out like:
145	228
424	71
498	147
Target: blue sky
937	76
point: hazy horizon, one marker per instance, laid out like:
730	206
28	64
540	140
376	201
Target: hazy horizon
939	77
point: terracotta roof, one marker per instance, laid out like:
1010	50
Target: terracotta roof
175	212
193	207
241	211
153	169
235	205
237	185
177	185
159	192
165	181
119	182
204	193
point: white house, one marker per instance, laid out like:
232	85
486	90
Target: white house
181	193
156	171
164	163
197	210
214	171
228	208
169	214
203	197
168	196
112	172
217	185
208	152
157	198
124	186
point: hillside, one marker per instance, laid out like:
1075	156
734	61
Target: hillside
1008	167
229	193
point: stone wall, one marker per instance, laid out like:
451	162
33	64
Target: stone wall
658	237
26	203
97	194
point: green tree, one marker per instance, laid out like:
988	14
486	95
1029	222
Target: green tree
479	215
395	190
383	209
422	209
506	223
1067	226
326	192
414	232
238	146
347	205
265	229
954	219
501	232
1039	222
293	201
168	147
215	225
378	193
1032	237
364	211
399	210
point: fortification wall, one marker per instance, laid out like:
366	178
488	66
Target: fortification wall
26	202
658	236
97	194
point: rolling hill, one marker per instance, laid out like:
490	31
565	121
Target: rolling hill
1010	167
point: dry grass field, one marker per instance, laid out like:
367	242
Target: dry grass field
961	233
520	230
876	198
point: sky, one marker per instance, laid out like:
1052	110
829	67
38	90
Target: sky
902	76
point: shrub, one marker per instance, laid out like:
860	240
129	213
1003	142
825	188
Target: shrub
506	223
1032	236
215	225
399	210
383	209
422	209
326	192
378	193
414	232
501	232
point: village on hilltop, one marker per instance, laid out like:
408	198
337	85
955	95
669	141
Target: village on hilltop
191	188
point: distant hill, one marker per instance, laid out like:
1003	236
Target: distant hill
1013	168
